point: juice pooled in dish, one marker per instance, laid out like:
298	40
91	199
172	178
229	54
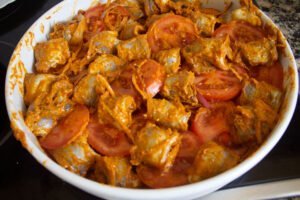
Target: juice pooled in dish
155	93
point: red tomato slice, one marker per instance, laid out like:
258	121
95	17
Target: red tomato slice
190	144
115	15
171	31
154	178
95	11
224	139
107	140
124	86
150	77
270	74
94	21
218	85
118	10
182	165
239	31
67	129
208	124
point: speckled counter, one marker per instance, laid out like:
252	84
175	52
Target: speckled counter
286	14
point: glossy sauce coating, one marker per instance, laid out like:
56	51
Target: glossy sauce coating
154	93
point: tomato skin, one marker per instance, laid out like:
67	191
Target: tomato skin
149	78
209	124
239	31
154	178
67	129
112	13
224	139
171	31
154	75
190	143
107	140
95	11
218	85
124	86
94	21
270	74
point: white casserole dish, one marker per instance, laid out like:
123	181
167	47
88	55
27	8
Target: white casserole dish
22	61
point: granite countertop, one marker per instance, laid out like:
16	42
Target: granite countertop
286	14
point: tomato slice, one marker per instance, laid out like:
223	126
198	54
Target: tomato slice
154	178
67	129
124	86
94	21
107	140
149	78
224	139
208	124
170	31
190	144
218	85
270	74
239	31
95	11
114	16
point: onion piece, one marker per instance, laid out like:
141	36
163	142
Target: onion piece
202	100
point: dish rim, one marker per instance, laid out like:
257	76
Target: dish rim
189	190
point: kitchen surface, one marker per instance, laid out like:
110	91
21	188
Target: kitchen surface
21	177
